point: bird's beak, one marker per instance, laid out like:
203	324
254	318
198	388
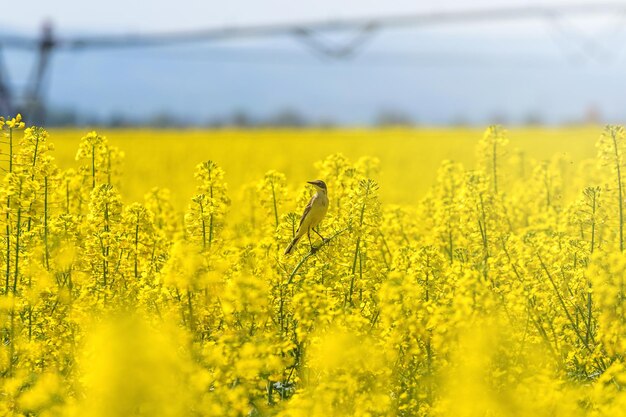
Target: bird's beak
311	182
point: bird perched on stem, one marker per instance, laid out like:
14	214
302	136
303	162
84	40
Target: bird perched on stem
314	213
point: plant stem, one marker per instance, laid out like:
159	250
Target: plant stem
211	219
8	219
567	313
136	248
311	253
275	206
45	222
203	226
8	239
17	248
619	190
357	249
593	222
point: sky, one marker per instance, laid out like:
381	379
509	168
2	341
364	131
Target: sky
132	15
510	70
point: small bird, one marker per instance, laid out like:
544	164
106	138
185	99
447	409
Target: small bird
314	213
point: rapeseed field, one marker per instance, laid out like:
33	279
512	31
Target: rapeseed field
462	273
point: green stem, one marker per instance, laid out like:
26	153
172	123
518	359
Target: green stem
275	205
45	222
8	239
32	177
600	364
203	226
357	249
17	249
35	157
593	222
137	248
105	249
270	389
356	254
311	253
211	219
620	191
8	219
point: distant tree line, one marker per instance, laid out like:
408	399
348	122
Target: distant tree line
286	118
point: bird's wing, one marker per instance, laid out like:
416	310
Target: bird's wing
307	209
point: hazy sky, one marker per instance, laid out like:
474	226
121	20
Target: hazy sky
436	74
126	15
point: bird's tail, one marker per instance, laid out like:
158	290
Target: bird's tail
292	244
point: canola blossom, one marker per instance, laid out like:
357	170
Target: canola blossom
501	293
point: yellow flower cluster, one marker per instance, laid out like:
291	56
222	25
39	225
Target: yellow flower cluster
503	292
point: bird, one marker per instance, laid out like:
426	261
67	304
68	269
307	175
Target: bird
314	213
